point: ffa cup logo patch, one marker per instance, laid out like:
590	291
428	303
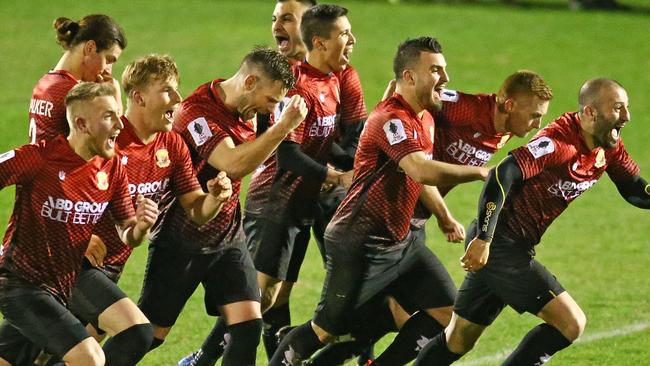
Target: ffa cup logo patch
125	159
540	147
449	96
600	159
503	141
200	131
102	181
394	130
61	175
162	158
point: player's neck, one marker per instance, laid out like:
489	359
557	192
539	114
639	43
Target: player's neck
137	120
318	61
80	146
500	122
409	96
227	90
70	63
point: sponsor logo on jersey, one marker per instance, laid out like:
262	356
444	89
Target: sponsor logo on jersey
199	130
467	154
600	159
7	155
541	146
569	190
323	127
41	107
67	211
152	190
102	180
395	132
162	158
448	95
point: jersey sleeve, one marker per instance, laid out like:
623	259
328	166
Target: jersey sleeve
395	137
621	167
203	134
121	205
20	165
353	105
297	134
543	151
184	178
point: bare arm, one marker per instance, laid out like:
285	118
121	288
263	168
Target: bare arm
238	161
433	201
202	207
437	173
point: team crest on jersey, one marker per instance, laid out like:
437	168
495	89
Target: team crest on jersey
449	96
394	130
102	180
540	147
162	158
600	159
61	175
125	159
6	156
503	141
199	130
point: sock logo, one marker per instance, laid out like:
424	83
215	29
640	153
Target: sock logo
422	342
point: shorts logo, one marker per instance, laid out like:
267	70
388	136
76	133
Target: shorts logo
600	159
394	130
200	131
6	156
102	180
61	175
162	158
540	147
125	159
449	96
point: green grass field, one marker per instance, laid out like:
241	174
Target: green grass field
598	248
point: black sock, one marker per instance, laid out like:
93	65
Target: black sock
538	346
213	346
338	353
367	354
242	346
436	353
157	342
127	347
296	347
416	333
274	319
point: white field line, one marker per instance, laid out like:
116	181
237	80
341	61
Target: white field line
587	338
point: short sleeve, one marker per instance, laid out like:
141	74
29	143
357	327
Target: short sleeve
353	105
395	137
541	152
203	134
121	205
620	166
20	165
184	178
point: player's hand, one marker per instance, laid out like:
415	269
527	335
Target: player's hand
146	213
453	230
333	177
476	255
220	187
390	89
484	171
345	179
293	113
96	251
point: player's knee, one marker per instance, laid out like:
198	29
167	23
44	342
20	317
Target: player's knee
160	332
86	353
575	325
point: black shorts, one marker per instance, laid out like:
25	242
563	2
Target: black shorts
172	276
279	249
93	293
36	315
511	277
328	202
357	271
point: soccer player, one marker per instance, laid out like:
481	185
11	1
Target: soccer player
217	123
470	128
158	164
92	45
66	187
520	199
368	243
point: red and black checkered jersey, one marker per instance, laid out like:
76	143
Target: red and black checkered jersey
161	167
61	199
353	105
381	199
291	196
47	108
557	167
204	121
465	135
259	187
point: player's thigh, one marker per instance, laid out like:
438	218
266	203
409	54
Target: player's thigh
241	311
16	349
281	249
86	353
121	315
566	315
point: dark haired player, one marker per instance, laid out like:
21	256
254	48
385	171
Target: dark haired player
368	243
217	123
66	187
92	45
522	196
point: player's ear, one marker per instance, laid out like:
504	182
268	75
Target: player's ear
136	96
90	48
80	124
509	105
250	82
318	43
408	76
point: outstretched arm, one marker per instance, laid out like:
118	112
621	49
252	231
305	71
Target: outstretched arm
493	196
433	201
437	173
635	191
